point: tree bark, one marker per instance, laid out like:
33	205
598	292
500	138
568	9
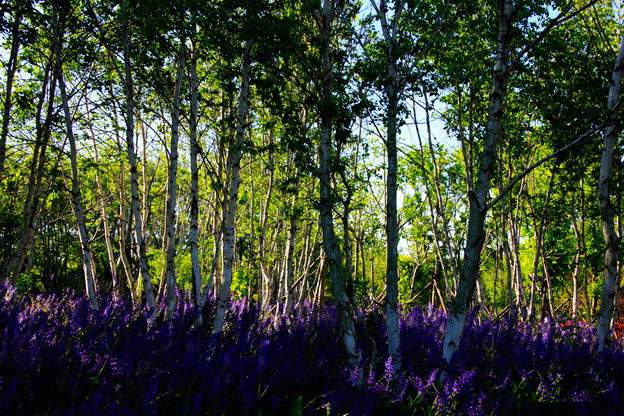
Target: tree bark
539	241
83	234
266	296
577	267
233	168
194	150
13	266
333	254
107	233
439	243
439	203
123	256
110	255
290	251
213	272
11	68
607	209
392	236
392	90
121	215
134	180
478	198
173	184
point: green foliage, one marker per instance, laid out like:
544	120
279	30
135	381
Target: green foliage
26	284
444	59
297	408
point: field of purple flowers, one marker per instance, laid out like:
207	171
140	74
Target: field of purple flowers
59	358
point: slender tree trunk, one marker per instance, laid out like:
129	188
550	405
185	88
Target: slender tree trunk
194	150
229	218
358	263
305	254
290	253
575	286
11	68
162	280
123	257
547	299
346	240
438	243
514	234
83	234
320	281
439	203
372	276
496	268
107	234
588	302
392	236
363	257
221	198
539	239
332	250
577	267
475	237
302	265
514	230
134	181
607	210
110	255
509	270
264	224
214	267
13	266
392	89
173	184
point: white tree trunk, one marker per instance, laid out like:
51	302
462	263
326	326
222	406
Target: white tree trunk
123	258
13	266
392	89
266	293
475	236
11	68
194	150
134	180
229	218
607	210
83	234
173	185
332	250
110	254
289	258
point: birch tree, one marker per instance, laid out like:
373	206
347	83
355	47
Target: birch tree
139	237
172	183
478	199
393	87
194	149
608	211
11	68
83	234
233	168
332	250
43	129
